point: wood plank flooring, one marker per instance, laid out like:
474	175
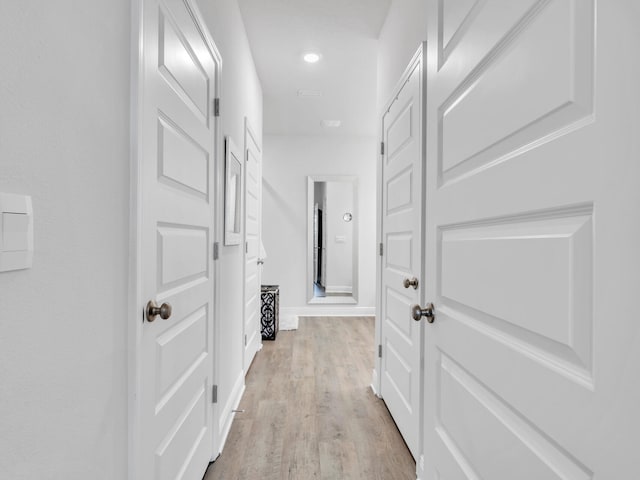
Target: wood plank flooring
310	413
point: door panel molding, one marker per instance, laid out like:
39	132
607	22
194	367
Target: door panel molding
559	100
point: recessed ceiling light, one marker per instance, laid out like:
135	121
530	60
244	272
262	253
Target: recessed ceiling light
331	123
311	57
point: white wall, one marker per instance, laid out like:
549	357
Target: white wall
64	140
288	160
241	96
339	254
405	28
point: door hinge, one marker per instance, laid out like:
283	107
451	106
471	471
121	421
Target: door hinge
381	249
381	148
379	351
214	394
216	250
246	247
245	340
216	107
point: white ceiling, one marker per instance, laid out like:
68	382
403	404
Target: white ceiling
345	33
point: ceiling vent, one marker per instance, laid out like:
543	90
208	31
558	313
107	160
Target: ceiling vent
331	123
309	93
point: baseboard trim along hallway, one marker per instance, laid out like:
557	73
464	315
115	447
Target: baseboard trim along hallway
309	411
289	315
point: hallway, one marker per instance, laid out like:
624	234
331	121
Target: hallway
309	411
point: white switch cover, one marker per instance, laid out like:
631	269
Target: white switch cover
15	228
16	232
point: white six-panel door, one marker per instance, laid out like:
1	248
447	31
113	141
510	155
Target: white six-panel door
252	270
532	240
402	199
178	81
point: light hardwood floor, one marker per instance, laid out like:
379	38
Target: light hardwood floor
310	413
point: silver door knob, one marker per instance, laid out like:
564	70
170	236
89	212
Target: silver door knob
153	310
413	282
417	312
260	261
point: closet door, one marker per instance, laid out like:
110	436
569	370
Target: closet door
532	234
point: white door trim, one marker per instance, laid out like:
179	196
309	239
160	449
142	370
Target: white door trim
135	300
418	59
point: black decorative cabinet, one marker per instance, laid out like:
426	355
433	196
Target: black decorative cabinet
269	311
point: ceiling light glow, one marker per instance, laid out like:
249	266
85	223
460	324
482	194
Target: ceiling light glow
311	57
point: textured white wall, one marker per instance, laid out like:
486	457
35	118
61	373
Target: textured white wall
241	96
405	28
288	160
64	139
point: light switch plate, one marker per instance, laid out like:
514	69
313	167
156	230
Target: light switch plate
16	232
15	229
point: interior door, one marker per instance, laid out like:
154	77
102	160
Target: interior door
252	335
532	235
176	163
402	258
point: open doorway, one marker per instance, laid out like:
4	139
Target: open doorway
319	240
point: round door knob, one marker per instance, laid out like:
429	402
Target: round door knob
153	310
413	282
417	312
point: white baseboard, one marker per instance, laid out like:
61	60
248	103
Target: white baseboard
420	468
289	315
339	289
374	384
288	319
226	414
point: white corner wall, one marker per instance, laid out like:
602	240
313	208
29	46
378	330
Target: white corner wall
288	160
403	31
64	140
241	95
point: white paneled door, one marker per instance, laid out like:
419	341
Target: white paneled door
178	81
252	225
402	199
532	240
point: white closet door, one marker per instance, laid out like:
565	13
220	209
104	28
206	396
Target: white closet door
532	235
402	259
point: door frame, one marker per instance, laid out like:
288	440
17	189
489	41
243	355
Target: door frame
419	60
135	301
